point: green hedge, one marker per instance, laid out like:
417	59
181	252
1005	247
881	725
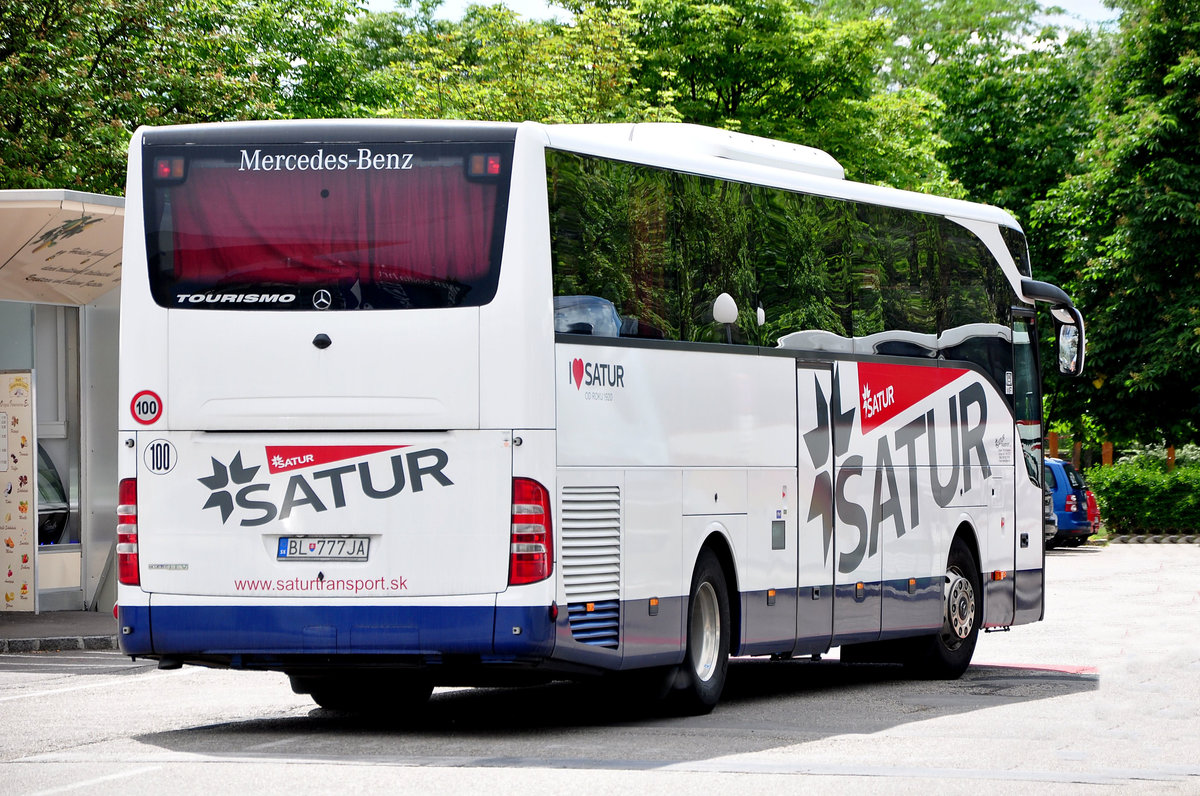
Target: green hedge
1139	497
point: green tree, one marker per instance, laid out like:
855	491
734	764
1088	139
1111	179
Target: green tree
929	34
779	70
1015	117
492	64
1128	228
77	78
767	68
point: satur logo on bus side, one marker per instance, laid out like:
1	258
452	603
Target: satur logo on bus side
233	487
595	374
964	415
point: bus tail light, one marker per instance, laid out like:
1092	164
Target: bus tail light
531	556
127	533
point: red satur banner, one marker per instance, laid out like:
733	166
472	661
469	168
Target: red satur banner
887	390
282	458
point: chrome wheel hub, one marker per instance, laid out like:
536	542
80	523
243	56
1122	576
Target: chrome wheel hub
705	632
960	608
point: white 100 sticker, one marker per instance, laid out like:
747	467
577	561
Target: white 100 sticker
160	457
146	407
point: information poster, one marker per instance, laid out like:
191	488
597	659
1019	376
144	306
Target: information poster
18	482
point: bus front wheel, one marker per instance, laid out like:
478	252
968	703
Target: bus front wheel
702	675
947	655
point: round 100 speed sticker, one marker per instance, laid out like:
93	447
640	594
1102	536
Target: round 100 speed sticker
146	407
160	457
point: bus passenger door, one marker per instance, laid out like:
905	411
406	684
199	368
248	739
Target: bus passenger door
815	506
1029	577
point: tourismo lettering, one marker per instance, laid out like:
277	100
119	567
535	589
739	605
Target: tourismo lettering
235	298
363	159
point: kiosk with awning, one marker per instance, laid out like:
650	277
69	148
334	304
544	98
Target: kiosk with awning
60	265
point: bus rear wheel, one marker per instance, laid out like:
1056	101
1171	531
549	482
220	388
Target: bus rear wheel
701	678
947	655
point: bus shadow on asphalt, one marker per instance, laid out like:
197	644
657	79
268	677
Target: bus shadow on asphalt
1069	551
797	700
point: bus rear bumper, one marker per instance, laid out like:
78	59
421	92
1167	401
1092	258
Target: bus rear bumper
266	636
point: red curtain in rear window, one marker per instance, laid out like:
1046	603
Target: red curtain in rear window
252	227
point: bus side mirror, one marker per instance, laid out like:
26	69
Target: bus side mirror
1070	340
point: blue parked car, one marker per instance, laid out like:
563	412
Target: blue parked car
1070	494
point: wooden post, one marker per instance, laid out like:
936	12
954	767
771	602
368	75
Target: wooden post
1077	455
1053	444
1170	458
1108	454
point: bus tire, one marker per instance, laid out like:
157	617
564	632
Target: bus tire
701	677
946	655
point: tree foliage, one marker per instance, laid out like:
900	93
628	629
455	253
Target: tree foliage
1090	139
778	70
1127	226
929	34
763	66
77	78
494	65
1016	117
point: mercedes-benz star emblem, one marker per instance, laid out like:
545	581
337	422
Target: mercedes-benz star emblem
322	300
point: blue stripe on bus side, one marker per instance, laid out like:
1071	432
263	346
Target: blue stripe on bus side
769	628
909	610
1029	587
998	602
651	639
328	630
528	632
133	629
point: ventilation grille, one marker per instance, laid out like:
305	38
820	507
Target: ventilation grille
591	562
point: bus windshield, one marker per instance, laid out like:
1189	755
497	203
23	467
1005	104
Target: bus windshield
332	226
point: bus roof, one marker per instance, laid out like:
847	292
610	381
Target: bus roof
329	131
744	158
685	147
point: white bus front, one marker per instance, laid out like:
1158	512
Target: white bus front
328	443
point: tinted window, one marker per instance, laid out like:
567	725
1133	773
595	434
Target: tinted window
661	246
1018	248
1072	476
379	226
1026	395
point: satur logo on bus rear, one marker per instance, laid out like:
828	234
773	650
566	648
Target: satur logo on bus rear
235	490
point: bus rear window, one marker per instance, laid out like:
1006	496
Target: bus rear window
333	226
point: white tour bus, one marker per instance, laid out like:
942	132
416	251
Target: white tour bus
420	403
